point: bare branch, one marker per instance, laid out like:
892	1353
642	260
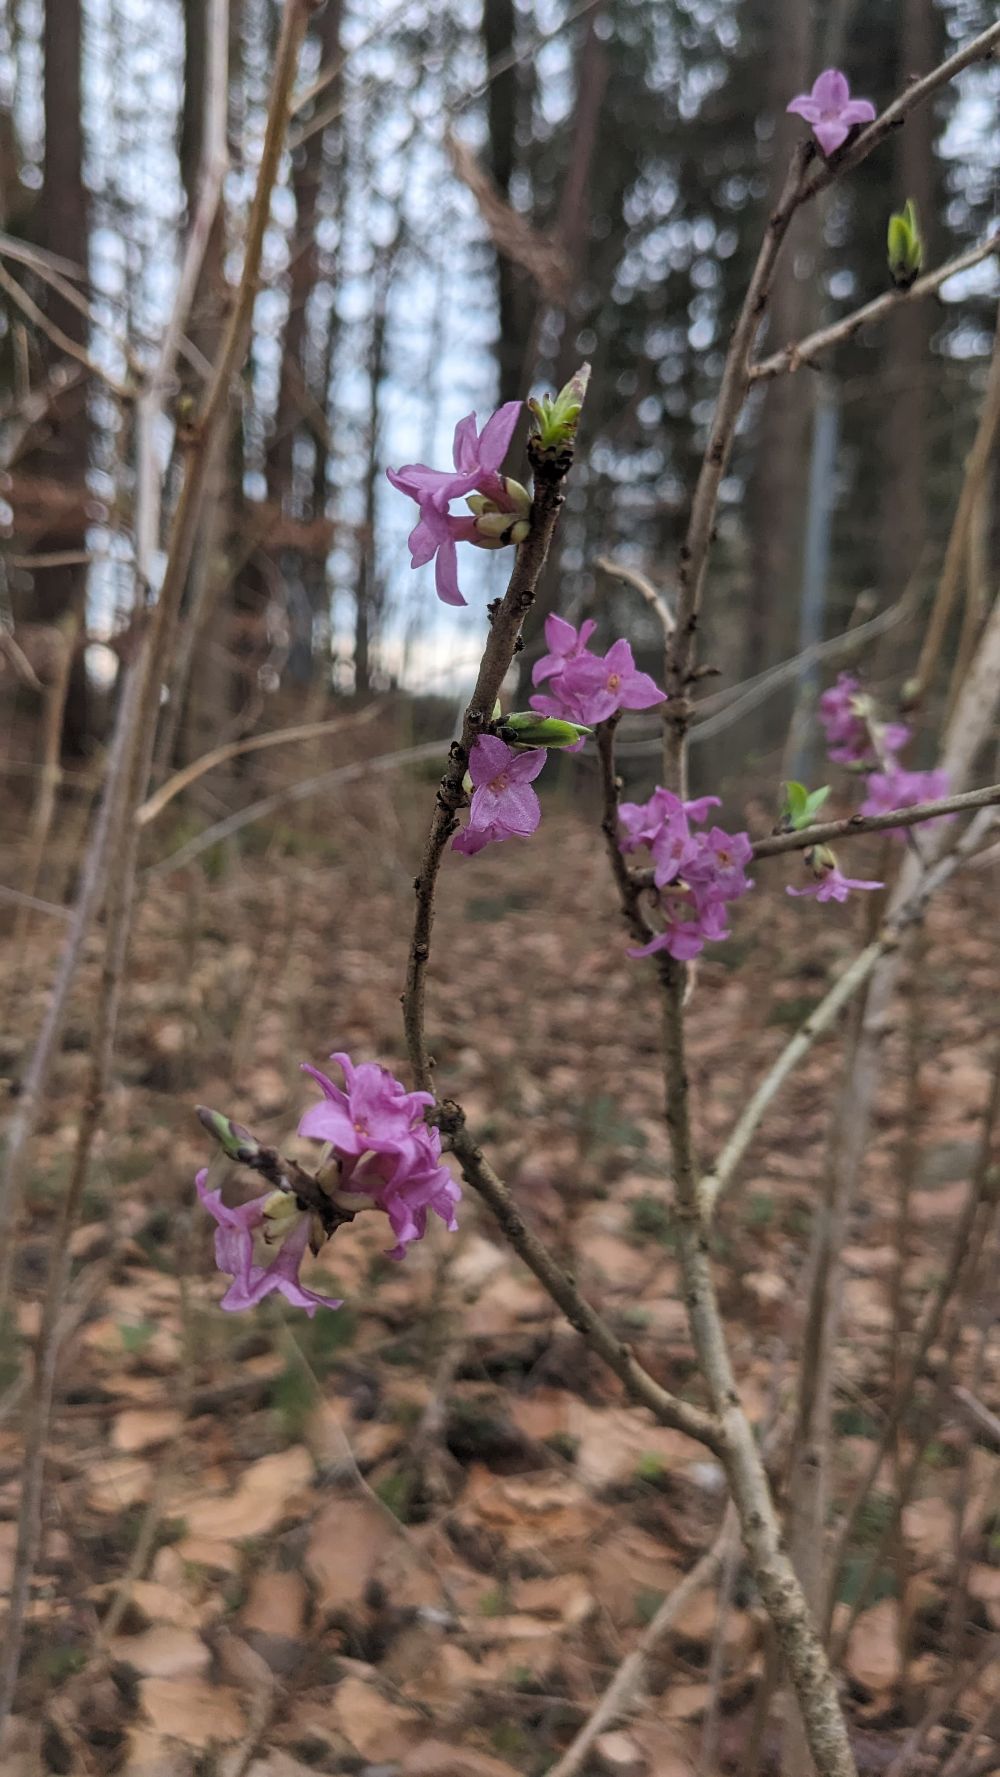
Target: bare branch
803	351
626	1686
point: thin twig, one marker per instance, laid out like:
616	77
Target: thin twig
977	466
620	570
505	633
253	743
62	340
625	1688
803	351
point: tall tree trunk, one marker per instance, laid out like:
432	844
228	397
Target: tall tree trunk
515	301
208	694
300	495
904	523
63	227
777	489
573	233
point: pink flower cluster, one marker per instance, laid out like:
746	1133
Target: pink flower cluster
385	1157
846	714
899	788
586	687
499	506
695	872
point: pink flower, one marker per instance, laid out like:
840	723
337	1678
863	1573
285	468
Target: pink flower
504	805
831	110
589	688
375	1114
834	886
477	457
681	938
565	643
718	866
273	1217
900	788
644	820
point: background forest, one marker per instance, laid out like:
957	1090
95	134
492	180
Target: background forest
419	1537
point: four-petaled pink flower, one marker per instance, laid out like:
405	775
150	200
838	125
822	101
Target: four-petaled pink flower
831	110
274	1218
565	643
478	457
589	688
834	886
504	805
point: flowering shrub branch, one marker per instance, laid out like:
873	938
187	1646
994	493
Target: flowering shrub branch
383	1146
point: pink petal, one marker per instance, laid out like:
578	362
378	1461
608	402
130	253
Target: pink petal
560	635
830	134
465	450
525	767
805	106
494	441
488	758
521	809
446	574
640	692
830	90
546	667
858	111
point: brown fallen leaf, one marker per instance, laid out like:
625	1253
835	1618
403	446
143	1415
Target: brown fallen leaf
264	1497
163	1652
928	1526
376	1728
138	1430
347	1541
191	1710
276	1604
619	1755
872	1656
435	1758
158	1603
118	1481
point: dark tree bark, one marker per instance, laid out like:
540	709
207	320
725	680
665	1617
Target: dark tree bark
514	294
781	442
63	227
904	501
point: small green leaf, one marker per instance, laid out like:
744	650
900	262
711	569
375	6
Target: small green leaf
815	801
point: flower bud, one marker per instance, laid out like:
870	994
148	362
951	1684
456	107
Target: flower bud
526	728
496	526
819	860
906	249
235	1141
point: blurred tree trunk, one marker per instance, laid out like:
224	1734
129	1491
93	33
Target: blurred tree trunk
202	688
573	233
370	588
299	493
781	441
62	225
514	293
904	440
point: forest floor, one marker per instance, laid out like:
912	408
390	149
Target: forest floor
419	1535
